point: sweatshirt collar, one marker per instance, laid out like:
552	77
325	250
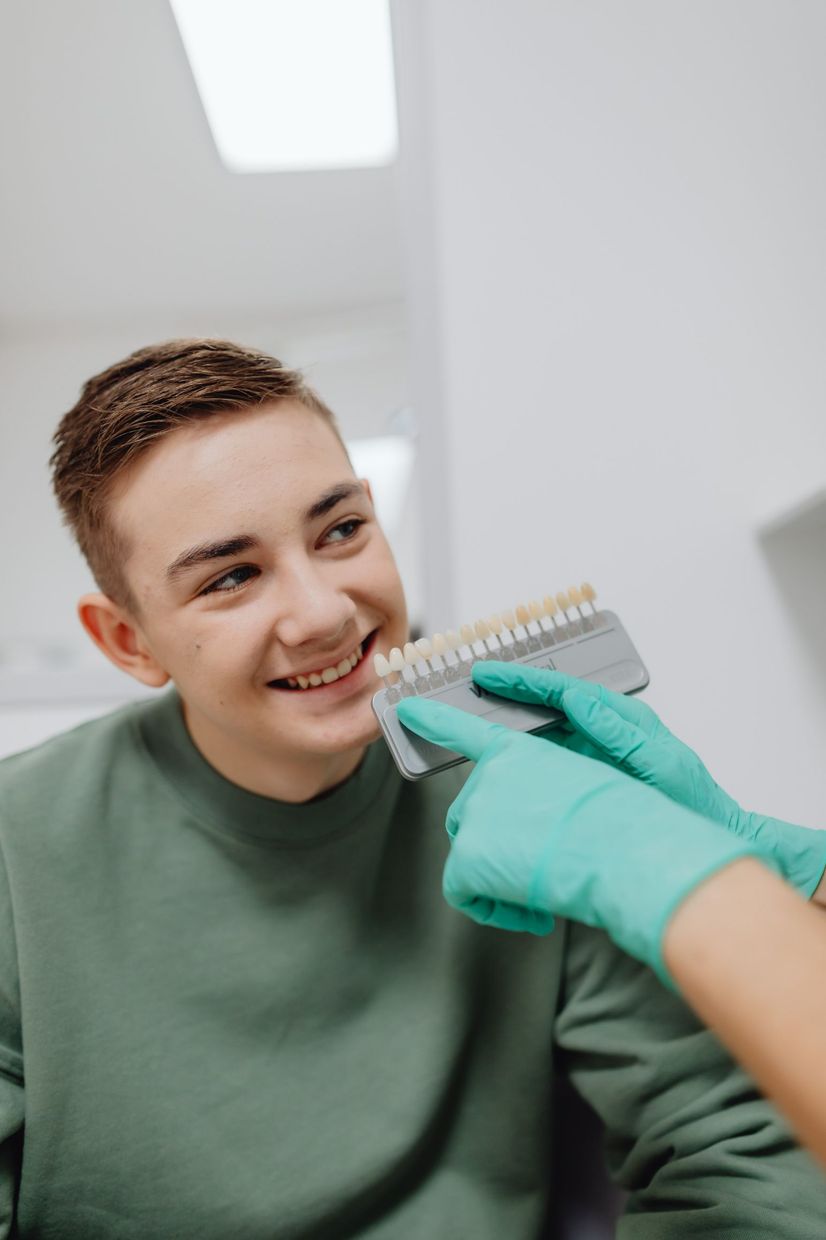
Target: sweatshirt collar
234	810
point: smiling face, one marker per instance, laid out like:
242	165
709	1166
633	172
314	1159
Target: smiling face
258	567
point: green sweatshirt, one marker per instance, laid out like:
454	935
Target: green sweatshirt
224	1016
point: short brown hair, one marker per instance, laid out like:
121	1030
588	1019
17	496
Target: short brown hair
127	408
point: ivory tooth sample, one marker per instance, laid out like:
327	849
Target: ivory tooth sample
382	667
588	593
576	597
440	647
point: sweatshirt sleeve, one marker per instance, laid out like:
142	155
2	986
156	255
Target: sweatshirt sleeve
688	1136
11	1064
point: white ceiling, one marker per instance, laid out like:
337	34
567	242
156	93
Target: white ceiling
114	203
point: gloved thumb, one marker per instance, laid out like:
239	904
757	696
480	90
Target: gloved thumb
455	729
621	741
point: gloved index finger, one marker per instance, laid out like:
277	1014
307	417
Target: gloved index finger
529	684
455	729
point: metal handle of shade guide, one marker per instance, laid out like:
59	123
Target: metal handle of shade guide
603	653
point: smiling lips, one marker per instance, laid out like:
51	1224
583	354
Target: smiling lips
325	675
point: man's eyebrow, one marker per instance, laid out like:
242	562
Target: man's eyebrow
337	493
205	552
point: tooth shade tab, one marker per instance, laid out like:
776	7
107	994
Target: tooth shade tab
439	644
381	665
509	619
453	639
396	659
535	609
563	600
523	616
551	607
495	623
575	595
482	629
588	592
424	647
411	654
466	633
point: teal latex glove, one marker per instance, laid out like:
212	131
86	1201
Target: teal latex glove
539	831
628	734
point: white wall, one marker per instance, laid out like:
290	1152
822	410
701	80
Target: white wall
621	212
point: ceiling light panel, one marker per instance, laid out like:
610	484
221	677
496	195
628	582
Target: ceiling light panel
294	85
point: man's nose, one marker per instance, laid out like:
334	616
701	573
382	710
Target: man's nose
311	608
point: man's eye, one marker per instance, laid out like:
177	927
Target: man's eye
233	580
340	533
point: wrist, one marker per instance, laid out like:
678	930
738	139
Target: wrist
819	894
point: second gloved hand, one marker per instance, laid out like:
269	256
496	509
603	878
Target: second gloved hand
628	734
538	831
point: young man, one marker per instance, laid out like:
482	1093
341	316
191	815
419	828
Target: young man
232	999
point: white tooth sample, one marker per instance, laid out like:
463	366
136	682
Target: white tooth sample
495	623
396	659
523	616
343	667
304	681
424	648
439	644
315	679
411	654
564	601
381	665
466	634
509	620
329	675
535	608
550	606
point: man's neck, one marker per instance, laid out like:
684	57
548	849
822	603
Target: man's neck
294	778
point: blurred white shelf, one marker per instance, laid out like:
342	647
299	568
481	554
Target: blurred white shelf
808	513
62	686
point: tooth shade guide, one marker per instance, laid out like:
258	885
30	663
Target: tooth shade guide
596	649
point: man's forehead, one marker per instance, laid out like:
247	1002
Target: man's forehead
207	483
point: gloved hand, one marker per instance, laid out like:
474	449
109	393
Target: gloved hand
538	831
628	734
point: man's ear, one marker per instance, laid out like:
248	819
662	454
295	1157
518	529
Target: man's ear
115	633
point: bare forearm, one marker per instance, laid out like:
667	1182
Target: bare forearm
749	955
819	896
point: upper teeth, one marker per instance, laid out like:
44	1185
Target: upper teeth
326	675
